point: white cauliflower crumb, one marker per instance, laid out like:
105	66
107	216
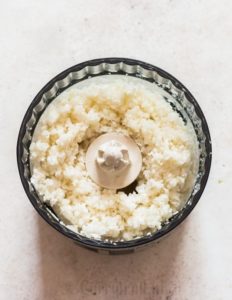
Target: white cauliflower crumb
126	105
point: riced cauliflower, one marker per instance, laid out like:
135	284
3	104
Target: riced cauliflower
127	105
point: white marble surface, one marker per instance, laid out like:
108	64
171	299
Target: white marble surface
192	39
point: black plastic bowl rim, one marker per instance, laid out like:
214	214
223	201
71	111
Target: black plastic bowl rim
136	243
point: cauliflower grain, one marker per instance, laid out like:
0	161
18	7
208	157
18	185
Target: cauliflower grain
80	114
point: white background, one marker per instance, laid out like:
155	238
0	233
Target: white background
191	39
